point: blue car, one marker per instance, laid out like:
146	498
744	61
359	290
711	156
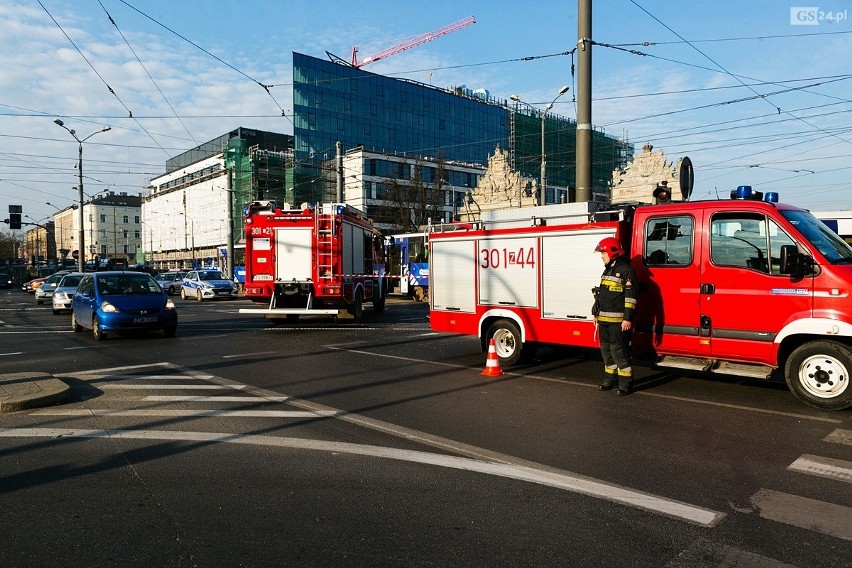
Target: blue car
115	302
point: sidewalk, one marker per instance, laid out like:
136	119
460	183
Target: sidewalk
19	391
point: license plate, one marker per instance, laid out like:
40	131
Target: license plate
225	293
145	319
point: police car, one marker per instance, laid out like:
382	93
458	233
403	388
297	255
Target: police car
207	284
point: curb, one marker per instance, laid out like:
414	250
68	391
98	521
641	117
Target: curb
20	391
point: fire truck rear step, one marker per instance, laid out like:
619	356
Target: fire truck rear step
713	366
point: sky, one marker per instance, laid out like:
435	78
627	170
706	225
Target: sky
755	93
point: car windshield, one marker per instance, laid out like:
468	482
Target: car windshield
128	284
70	281
211	275
826	241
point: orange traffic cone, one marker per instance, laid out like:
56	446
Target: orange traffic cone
492	364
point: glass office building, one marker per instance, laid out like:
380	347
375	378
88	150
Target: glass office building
336	102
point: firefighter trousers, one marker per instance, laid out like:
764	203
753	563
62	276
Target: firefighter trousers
615	350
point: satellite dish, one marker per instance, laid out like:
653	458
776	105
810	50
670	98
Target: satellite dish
687	178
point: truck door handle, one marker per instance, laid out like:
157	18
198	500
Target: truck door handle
708	288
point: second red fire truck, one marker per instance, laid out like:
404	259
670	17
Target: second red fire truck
326	259
744	286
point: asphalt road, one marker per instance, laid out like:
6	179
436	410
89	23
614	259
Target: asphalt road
240	443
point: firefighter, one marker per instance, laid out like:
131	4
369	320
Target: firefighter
615	301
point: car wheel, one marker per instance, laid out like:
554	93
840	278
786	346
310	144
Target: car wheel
74	325
198	295
97	332
39	302
56	312
171	291
182	293
170	331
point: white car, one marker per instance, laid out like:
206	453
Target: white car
207	284
65	291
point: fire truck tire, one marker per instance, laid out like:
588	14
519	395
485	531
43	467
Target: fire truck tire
818	373
356	309
379	304
507	341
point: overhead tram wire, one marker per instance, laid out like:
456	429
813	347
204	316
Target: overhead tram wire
265	87
127	43
110	89
764	97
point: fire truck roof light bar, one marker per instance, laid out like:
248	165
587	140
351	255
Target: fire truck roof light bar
745	192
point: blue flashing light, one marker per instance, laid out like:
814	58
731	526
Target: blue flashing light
743	192
341	209
771	197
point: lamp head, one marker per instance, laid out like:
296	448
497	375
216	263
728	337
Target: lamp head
515	98
59	122
564	90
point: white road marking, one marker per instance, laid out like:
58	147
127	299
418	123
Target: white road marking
249	355
823	467
163	398
181	413
840	437
809	514
13	353
163	387
567	482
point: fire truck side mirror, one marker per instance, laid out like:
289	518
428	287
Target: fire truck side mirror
793	262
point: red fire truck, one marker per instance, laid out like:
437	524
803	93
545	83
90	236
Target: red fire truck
316	260
742	286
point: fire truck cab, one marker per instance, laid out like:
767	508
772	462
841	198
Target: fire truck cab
741	286
326	259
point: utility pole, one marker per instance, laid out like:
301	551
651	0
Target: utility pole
584	101
229	250
338	166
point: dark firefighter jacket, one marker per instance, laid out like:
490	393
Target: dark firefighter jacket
615	298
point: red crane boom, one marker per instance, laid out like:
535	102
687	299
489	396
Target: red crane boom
413	42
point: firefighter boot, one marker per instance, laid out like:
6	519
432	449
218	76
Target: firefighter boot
609	379
625	382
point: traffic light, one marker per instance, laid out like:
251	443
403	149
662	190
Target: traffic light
14	220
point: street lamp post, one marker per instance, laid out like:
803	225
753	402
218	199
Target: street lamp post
517	99
81	261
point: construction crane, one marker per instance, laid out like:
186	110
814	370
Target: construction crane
413	42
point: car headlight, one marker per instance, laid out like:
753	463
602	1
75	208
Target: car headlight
108	308
170	305
60	296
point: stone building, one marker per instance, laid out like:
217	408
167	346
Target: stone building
642	175
500	188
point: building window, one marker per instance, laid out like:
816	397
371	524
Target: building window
137	234
103	233
103	218
125	219
136	219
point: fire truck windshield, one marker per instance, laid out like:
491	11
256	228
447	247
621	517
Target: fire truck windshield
826	241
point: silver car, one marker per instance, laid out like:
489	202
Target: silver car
65	291
45	291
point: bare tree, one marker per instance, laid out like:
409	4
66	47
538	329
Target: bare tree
411	203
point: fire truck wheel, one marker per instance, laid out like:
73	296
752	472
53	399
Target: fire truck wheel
356	309
379	304
818	373
507	341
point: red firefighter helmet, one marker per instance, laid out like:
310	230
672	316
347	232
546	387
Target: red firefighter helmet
611	246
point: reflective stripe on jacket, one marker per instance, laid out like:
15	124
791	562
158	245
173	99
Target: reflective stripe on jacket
616	298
